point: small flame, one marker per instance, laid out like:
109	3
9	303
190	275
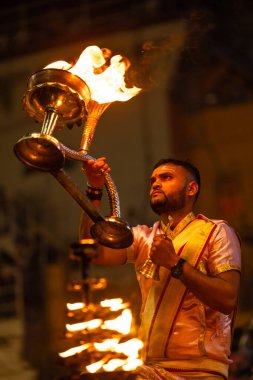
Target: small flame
130	347
95	367
89	325
114	304
132	364
74	350
113	364
106	345
106	83
75	306
122	324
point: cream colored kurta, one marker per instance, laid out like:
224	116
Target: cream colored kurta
200	337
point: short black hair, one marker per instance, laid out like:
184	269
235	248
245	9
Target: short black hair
185	164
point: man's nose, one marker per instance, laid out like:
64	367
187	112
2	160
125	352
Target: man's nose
156	184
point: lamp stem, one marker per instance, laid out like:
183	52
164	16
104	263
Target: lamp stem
88	133
49	122
94	112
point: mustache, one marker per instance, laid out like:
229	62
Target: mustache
157	191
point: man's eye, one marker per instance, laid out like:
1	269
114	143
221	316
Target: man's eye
166	176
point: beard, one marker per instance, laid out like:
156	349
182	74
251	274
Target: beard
169	204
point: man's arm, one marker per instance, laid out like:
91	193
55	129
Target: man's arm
95	172
219	292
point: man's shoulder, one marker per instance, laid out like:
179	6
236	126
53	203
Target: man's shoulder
214	221
223	226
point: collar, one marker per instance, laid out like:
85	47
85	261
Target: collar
171	234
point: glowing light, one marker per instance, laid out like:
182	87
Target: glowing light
113	364
122	324
74	350
114	352
89	325
114	304
75	306
106	345
132	364
106	82
95	367
130	347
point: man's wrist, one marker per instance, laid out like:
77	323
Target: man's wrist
94	193
177	270
89	186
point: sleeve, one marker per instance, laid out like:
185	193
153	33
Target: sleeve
143	237
224	250
133	249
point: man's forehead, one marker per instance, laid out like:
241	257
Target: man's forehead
166	168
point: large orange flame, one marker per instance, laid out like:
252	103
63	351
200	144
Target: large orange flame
105	81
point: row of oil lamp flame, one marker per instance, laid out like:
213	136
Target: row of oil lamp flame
115	355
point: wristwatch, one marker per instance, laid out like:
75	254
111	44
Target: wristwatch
177	269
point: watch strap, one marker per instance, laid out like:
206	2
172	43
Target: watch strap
177	269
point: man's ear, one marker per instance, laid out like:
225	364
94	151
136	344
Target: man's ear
192	188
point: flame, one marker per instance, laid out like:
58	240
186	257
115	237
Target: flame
132	364
89	325
106	82
126	364
62	65
75	306
130	347
106	345
74	350
121	324
95	367
114	304
113	364
122	356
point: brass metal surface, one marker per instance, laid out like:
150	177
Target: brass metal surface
149	270
113	232
57	90
40	152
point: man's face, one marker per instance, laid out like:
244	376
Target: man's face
168	188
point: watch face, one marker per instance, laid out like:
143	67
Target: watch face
177	270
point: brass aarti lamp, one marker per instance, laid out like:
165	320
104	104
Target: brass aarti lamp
58	98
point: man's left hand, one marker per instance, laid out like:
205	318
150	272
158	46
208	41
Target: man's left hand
162	252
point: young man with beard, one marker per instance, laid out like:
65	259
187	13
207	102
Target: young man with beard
187	315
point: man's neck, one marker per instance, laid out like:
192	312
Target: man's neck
174	217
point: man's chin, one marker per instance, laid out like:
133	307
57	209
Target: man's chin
157	207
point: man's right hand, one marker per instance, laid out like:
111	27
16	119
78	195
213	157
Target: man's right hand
95	171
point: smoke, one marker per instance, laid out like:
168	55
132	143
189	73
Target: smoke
151	67
155	58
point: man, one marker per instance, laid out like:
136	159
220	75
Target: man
187	315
